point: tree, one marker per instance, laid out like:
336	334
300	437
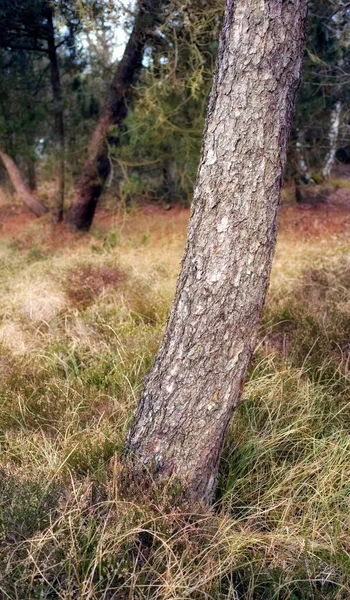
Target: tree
340	31
97	167
29	28
333	139
21	122
20	187
197	378
58	113
160	146
321	115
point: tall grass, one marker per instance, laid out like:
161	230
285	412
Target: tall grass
81	324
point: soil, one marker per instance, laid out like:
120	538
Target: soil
330	216
323	219
14	218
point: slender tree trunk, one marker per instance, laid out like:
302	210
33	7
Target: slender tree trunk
303	170
97	167
299	196
169	180
197	378
20	187
341	23
57	214
333	139
303	176
31	174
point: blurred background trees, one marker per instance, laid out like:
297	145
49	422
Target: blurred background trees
321	123
57	62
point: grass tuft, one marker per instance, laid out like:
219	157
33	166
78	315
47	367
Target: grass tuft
80	326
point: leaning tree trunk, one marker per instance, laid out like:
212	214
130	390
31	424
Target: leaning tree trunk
197	378
57	214
97	168
20	187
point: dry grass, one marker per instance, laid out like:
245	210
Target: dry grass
81	321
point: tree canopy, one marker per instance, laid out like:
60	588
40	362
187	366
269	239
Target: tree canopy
157	150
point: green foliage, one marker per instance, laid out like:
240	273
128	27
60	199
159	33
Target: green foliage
21	118
156	153
317	178
111	240
159	149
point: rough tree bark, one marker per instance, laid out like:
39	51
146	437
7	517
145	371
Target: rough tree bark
196	382
20	187
57	214
97	167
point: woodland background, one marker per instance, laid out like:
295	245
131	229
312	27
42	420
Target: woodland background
156	150
82	316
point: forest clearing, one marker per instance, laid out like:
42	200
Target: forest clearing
81	322
174	300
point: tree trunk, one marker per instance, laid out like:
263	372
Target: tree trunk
302	176
333	139
299	196
340	21
197	378
97	168
303	171
31	174
57	214
20	187
169	181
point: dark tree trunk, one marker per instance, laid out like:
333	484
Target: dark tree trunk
169	181
299	196
20	187
58	116
197	378
31	174
97	166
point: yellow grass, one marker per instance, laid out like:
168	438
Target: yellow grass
73	355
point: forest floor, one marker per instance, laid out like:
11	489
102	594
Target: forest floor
81	319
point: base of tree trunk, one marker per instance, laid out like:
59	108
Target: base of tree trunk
312	194
80	216
82	210
134	483
57	217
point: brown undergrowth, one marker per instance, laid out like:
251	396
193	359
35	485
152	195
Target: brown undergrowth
85	283
81	320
